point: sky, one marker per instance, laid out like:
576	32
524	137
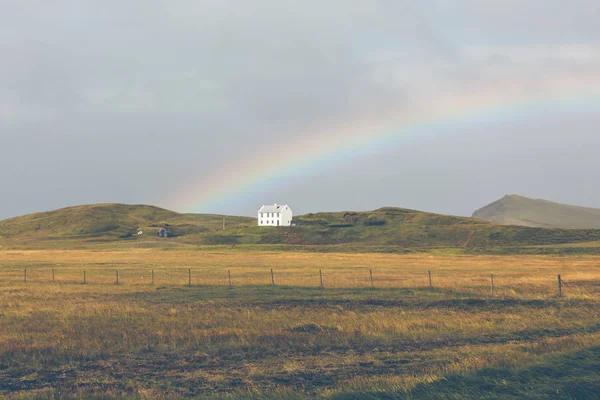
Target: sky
220	106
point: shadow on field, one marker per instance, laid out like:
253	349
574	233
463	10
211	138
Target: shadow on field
574	375
349	298
571	376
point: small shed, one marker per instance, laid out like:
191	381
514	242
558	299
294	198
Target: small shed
162	233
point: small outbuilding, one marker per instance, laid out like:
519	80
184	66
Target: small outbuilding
162	233
275	215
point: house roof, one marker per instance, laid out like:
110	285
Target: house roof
275	208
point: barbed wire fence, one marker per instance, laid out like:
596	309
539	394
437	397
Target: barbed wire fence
319	278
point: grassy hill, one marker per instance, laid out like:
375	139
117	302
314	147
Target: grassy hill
385	229
402	228
519	210
109	222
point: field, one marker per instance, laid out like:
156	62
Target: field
355	338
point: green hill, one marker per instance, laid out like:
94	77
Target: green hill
397	227
109	222
519	210
385	229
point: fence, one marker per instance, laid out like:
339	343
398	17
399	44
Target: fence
336	279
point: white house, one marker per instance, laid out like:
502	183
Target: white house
275	215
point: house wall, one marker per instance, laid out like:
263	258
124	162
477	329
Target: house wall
286	216
269	219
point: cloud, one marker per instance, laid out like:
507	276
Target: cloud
519	21
110	89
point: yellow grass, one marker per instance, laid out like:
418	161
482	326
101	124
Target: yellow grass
513	275
292	339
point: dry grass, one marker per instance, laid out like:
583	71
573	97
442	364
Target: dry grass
292	340
514	275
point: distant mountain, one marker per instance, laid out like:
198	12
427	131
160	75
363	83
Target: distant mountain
519	210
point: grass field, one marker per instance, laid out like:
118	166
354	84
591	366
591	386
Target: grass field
400	339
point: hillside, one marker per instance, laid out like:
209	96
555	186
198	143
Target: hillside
519	210
401	228
109	222
385	229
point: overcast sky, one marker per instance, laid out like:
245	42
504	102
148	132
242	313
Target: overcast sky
146	101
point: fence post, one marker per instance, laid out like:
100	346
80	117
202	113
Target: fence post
430	285
52	274
321	278
25	275
189	277
152	277
492	276
84	278
229	276
559	286
371	278
272	278
117	274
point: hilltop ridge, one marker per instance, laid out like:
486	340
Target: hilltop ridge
108	221
524	211
384	229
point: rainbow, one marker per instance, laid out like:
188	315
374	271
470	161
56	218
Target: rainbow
372	131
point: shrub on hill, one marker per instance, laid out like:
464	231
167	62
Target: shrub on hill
221	239
374	221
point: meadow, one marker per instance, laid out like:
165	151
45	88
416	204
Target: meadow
282	335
